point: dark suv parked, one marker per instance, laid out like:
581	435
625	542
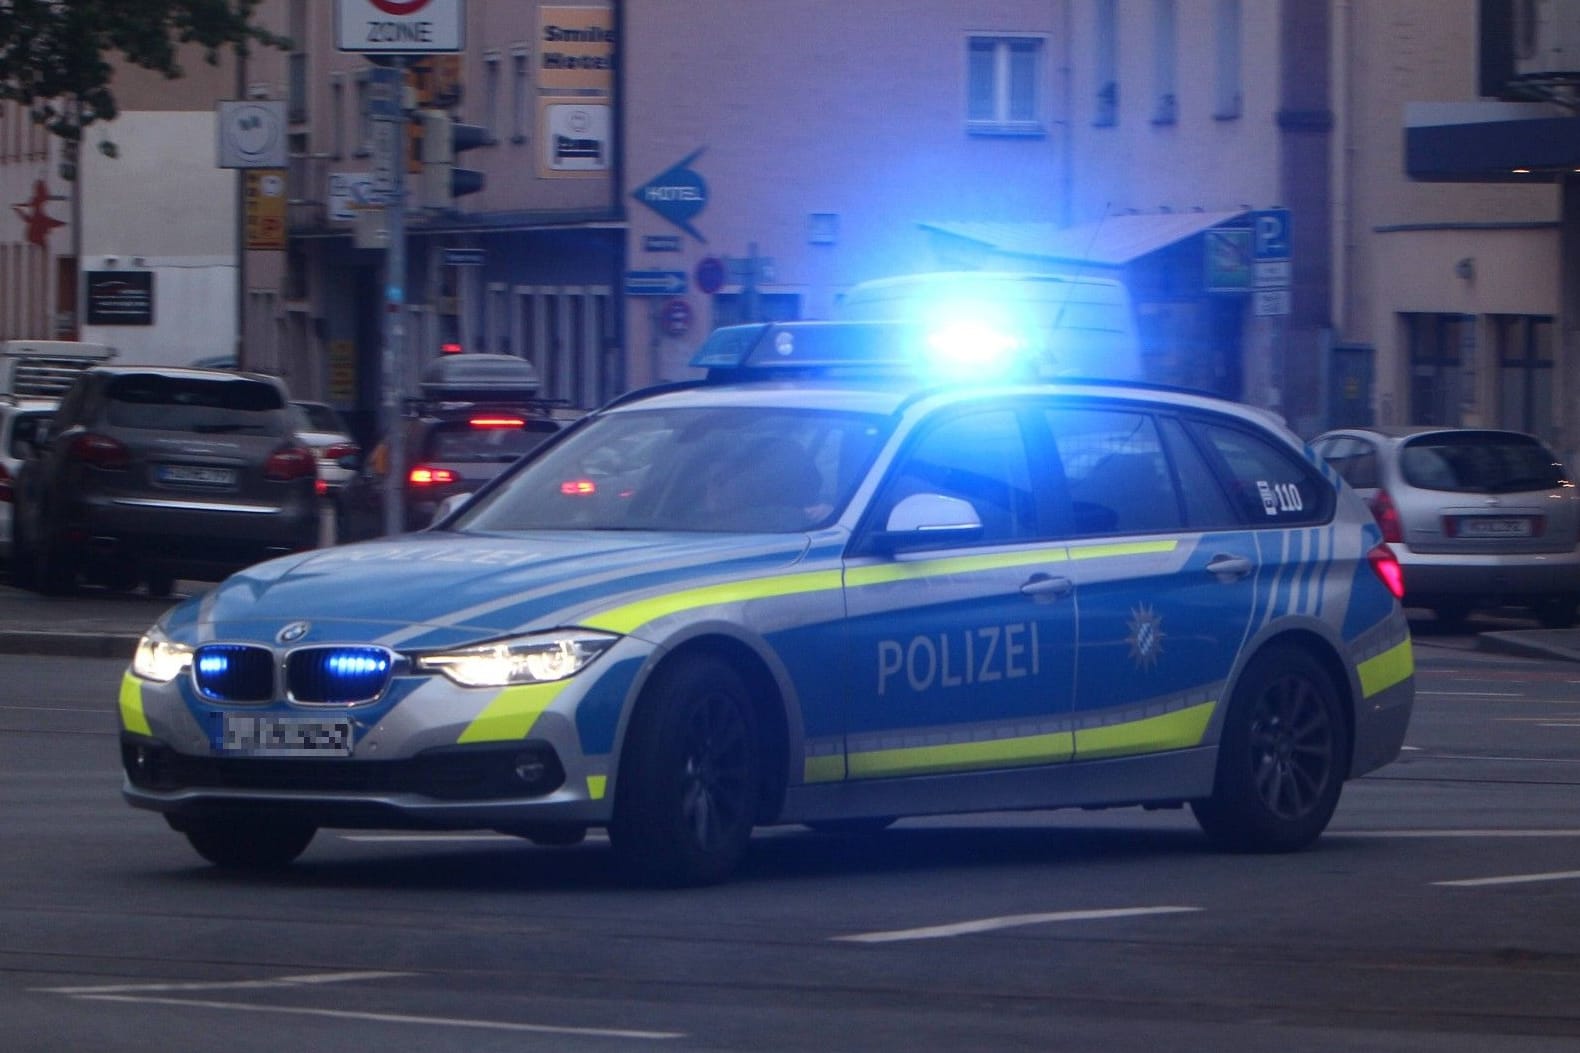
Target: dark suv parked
152	473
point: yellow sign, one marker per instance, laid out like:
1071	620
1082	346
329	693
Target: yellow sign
266	209
576	50
342	371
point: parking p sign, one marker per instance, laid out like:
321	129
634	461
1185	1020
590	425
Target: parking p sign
1270	233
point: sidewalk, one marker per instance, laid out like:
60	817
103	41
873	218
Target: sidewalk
95	624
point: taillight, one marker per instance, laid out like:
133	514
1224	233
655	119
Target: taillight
289	462
335	451
100	451
7	486
578	488
422	476
320	487
1387	517
1386	566
497	422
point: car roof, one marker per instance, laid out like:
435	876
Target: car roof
178	372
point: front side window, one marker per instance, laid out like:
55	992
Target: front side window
739	469
977	457
1004	85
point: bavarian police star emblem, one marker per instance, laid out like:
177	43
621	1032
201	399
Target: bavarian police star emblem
1146	636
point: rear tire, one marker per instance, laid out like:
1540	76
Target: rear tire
1282	758
687	794
245	843
54	571
1451	615
1557	612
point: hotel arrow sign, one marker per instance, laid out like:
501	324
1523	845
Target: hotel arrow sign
677	194
655	283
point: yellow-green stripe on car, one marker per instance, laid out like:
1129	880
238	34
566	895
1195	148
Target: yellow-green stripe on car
1393	666
1172	731
132	716
634	615
512	713
964	756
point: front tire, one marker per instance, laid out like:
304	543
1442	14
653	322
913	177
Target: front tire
1282	758
244	843
687	794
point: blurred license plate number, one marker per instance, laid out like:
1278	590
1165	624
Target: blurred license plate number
265	736
1491	526
189	473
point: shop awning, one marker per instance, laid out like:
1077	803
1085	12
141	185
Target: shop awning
1490	142
1110	242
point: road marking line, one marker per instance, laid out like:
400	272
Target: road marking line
1383	834
1513	879
225	985
396	838
1009	921
1472	694
395	1018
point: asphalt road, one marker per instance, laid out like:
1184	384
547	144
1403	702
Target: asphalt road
1439	913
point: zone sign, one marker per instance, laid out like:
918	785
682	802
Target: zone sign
400	27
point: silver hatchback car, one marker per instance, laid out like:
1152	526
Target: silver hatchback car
1478	517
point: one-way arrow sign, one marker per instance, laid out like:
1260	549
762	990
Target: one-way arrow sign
655	283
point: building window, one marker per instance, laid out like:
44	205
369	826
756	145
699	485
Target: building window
337	116
363	118
1442	358
1004	85
1226	101
296	87
1524	345
1106	47
519	96
491	95
1165	47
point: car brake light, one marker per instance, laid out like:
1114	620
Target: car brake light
101	451
335	451
578	487
497	422
1387	517
422	475
320	487
289	462
7	486
1386	566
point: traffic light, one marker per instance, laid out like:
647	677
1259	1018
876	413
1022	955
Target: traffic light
442	138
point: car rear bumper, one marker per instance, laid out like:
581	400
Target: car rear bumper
201	538
1503	576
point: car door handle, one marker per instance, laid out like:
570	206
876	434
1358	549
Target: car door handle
1047	585
1229	568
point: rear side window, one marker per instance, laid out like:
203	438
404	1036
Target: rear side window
1479	462
1118	476
1354	459
194	404
1269	484
313	417
25	429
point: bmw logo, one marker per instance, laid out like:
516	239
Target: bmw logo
293	632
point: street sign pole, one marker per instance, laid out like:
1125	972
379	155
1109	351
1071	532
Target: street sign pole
393	359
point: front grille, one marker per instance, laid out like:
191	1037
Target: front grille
338	676
234	672
453	774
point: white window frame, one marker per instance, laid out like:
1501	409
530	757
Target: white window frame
1001	122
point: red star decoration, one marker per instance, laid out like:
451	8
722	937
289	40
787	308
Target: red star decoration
32	212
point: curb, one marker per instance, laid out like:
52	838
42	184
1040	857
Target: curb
69	644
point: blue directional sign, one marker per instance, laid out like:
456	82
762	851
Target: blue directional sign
655	283
677	194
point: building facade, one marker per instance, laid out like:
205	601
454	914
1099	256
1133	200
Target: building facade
651	170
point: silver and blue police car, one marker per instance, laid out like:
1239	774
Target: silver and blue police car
823	585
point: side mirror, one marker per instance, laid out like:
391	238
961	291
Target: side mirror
929	520
448	506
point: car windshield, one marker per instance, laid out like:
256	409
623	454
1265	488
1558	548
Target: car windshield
195	404
467	442
737	469
1480	462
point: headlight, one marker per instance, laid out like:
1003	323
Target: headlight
534	659
159	658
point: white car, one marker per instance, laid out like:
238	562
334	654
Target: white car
322	430
20	420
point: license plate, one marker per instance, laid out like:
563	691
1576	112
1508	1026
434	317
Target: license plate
275	736
1495	526
195	473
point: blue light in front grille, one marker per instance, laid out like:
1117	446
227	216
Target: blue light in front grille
234	672
339	675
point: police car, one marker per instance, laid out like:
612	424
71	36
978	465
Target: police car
857	573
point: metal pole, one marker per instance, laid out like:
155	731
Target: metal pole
241	228
393	359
